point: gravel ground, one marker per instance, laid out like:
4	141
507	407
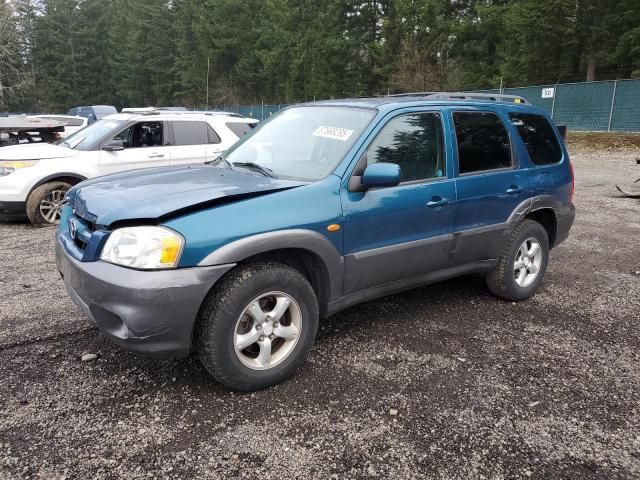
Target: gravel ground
440	382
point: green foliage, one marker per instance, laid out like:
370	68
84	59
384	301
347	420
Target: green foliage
157	52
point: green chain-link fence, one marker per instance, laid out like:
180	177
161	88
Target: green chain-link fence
595	106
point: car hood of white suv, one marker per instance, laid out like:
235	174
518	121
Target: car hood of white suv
35	151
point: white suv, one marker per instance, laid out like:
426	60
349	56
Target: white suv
35	177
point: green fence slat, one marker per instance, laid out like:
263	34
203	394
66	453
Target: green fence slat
626	109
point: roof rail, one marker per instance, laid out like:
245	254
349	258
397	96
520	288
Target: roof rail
160	110
496	97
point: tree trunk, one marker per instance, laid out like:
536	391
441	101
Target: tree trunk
591	69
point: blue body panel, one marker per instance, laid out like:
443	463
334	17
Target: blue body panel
212	207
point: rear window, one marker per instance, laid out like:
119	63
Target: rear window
483	142
190	133
538	136
239	129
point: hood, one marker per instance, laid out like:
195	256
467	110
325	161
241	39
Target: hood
160	193
35	151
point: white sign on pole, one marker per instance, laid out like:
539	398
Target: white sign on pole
548	92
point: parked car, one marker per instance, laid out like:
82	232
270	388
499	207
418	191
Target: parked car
71	123
350	200
35	177
93	113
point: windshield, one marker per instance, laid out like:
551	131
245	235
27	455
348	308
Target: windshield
304	143
88	137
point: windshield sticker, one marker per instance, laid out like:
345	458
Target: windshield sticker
336	133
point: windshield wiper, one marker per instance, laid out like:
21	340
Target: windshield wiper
267	172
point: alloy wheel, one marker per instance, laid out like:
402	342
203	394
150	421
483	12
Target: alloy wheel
51	206
267	331
528	262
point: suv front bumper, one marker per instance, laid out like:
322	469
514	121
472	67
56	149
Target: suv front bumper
148	312
13	210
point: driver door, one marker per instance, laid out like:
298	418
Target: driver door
144	146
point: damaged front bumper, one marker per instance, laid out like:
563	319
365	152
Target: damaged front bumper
148	312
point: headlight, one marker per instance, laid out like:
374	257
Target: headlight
7	167
146	248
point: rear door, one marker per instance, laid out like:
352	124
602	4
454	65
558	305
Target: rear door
396	233
144	146
190	141
542	146
490	183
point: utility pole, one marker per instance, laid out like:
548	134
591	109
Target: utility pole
208	68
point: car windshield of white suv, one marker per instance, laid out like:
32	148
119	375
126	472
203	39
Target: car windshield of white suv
88	137
305	143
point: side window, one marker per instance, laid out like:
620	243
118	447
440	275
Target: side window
415	142
212	135
238	128
538	136
483	142
190	133
142	134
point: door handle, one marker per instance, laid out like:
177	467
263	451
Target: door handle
156	155
513	189
437	202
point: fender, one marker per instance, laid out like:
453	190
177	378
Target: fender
53	176
302	239
531	205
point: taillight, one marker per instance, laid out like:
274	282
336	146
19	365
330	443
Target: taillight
573	182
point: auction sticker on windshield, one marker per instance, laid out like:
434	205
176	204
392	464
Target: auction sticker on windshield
336	133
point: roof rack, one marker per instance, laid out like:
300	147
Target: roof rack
161	110
496	97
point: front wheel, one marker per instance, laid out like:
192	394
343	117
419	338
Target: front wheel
44	204
257	326
523	263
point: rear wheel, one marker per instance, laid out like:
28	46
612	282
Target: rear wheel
523	263
257	326
44	204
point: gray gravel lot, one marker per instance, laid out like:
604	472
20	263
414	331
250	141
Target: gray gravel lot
440	382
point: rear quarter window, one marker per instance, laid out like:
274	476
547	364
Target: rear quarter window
239	129
538	137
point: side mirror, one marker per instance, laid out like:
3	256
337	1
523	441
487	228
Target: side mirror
381	175
114	146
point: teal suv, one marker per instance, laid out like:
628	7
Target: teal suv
324	206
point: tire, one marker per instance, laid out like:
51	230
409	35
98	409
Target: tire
52	192
225	322
504	281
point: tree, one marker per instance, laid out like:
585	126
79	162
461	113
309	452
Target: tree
15	77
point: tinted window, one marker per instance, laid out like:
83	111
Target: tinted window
190	133
213	136
239	129
414	142
483	141
538	136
